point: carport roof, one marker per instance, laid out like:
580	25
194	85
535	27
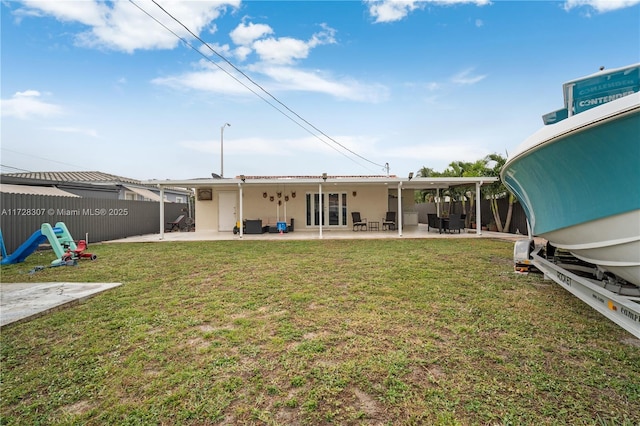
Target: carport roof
415	183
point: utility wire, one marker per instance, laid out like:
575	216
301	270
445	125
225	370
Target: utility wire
236	79
254	83
14	168
43	158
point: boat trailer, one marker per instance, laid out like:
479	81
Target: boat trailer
618	301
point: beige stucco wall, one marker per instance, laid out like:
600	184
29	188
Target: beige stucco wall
372	201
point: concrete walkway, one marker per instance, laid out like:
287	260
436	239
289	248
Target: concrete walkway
21	302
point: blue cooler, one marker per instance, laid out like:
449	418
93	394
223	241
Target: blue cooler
281	226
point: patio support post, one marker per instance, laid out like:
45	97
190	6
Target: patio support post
161	212
438	201
478	209
241	214
320	218
399	218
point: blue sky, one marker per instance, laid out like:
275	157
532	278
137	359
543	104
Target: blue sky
348	85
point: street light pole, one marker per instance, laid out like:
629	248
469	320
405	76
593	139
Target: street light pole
222	148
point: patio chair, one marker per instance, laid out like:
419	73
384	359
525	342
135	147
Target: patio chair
358	222
175	224
389	222
433	221
455	223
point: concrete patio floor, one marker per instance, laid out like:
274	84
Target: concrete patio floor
21	302
419	231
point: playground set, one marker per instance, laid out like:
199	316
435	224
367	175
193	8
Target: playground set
63	245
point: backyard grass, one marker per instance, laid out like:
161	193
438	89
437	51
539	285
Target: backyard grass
347	332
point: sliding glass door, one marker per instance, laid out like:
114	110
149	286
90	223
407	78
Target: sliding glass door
334	206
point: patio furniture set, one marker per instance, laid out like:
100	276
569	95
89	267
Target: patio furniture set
451	223
272	226
361	224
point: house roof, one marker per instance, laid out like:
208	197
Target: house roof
91	177
95	178
8	188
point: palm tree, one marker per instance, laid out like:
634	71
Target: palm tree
425	195
474	169
497	190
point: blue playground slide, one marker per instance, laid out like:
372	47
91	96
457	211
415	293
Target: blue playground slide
25	248
57	236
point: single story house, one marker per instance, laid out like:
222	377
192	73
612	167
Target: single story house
309	203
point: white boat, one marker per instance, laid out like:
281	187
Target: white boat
578	178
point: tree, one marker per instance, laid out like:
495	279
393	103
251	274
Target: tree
425	195
475	169
458	193
497	190
487	166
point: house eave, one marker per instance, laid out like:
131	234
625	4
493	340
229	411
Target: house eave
415	183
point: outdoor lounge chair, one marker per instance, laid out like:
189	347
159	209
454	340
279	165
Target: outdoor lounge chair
175	225
389	222
358	222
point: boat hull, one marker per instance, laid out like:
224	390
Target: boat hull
579	183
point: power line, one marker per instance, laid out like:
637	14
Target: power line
254	83
43	158
14	168
236	79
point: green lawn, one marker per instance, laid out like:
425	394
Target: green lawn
346	332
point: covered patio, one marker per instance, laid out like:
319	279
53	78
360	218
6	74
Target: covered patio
321	205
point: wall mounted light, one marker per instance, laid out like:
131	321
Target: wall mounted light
293	194
271	198
264	195
279	194
242	178
354	193
286	198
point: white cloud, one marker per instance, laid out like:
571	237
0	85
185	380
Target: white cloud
122	26
285	50
242	52
282	50
396	10
300	80
391	10
85	12
211	79
208	79
601	6
27	104
245	34
466	77
275	54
